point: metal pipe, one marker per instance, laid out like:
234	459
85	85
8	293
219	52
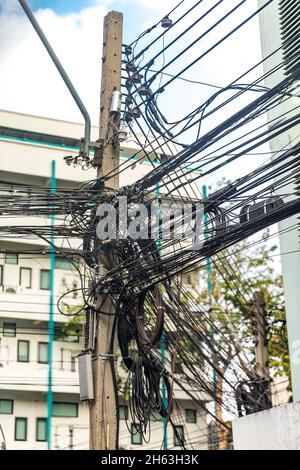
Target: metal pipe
212	326
51	315
63	74
163	338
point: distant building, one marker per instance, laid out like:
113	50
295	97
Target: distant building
24	308
280	38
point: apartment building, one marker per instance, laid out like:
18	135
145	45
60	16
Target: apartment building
279	28
25	305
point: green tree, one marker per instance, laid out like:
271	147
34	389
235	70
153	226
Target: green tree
236	274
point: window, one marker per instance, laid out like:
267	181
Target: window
20	429
178	369
43	353
45	279
123	412
155	416
6	406
1	275
71	337
41	429
136	435
11	258
64	409
23	351
191	416
186	279
178	435
64	263
25	277
9	329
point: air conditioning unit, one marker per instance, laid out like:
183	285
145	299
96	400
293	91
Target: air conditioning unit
64	286
4	361
69	284
13	289
10	289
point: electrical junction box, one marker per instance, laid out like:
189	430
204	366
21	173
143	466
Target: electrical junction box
86	384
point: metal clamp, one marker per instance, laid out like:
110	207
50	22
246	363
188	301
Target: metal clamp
104	356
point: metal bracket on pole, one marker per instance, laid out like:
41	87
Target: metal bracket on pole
86	143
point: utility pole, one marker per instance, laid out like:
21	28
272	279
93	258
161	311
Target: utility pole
261	345
103	412
262	394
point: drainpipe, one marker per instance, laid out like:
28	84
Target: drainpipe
51	314
163	339
212	328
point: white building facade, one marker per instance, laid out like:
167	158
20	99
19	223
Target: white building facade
280	28
24	311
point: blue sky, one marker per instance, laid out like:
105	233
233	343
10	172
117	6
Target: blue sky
30	83
74	29
60	6
134	13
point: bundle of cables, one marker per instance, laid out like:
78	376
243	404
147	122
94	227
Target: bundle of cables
146	373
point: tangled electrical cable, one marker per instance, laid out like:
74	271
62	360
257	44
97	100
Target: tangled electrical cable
146	372
141	276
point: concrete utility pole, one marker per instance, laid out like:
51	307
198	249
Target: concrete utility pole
261	346
103	413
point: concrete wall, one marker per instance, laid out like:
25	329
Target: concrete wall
275	429
27	162
26	384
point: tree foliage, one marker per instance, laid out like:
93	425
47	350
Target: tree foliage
236	274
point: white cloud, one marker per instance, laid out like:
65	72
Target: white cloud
165	5
29	80
31	84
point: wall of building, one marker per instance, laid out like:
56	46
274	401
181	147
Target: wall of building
67	430
274	429
32	405
271	41
27	162
37	155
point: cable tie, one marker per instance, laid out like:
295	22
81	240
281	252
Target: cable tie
105	356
